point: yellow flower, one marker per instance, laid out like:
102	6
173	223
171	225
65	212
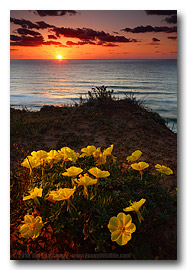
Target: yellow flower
86	180
32	226
40	155
72	171
88	151
98	155
36	192
68	154
61	194
140	166
101	159
134	156
74	156
108	151
30	162
97	152
163	169
53	156
65	153
135	206
99	173
121	228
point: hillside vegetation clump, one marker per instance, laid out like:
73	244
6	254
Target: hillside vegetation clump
89	203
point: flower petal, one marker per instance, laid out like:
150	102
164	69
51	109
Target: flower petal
115	235
114	224
108	151
27	197
28	218
98	173
135	166
128	220
123	239
128	209
158	166
24	230
131	228
137	154
140	203
124	219
143	165
121	217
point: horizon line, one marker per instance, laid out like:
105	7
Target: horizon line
61	60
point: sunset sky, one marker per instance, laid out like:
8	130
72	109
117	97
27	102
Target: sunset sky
93	34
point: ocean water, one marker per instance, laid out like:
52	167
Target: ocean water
34	83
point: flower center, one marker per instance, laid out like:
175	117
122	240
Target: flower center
33	225
123	229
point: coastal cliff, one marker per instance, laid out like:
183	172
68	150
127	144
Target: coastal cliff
124	123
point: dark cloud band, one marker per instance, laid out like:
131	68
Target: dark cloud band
173	38
24	31
171	19
52	37
161	12
149	28
29	25
87	34
172	15
31	41
83	34
155	39
44	13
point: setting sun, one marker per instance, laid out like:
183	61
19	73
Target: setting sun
59	56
